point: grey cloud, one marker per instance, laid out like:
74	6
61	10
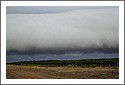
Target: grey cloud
47	9
93	28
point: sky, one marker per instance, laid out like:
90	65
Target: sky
43	29
47	9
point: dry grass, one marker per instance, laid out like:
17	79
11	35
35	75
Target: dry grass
37	72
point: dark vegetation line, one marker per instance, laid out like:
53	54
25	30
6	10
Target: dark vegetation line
114	62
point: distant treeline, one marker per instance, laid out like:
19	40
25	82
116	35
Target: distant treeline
82	62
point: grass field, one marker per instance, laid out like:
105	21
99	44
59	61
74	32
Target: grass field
63	72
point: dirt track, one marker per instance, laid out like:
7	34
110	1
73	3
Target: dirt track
35	72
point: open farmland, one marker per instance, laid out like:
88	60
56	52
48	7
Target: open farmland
44	72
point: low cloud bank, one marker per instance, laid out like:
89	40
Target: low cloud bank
78	29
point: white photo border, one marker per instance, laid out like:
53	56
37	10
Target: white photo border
62	3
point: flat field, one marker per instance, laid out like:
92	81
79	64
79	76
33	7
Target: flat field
66	72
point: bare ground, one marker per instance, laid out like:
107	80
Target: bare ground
37	72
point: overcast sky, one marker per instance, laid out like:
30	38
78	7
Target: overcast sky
62	27
47	9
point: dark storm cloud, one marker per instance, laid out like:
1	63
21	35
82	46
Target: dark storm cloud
76	29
